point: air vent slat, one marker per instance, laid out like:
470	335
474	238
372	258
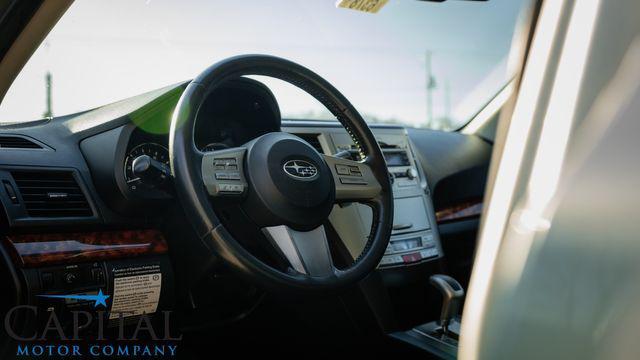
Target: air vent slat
47	204
384	145
47	188
313	140
35	197
51	194
59	213
50	181
68	210
17	142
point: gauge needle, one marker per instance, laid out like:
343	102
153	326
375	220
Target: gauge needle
132	180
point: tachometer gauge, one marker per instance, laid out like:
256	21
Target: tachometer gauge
146	166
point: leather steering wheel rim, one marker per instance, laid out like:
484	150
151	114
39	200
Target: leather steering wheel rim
186	160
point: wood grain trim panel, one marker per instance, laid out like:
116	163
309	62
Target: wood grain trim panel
33	250
464	210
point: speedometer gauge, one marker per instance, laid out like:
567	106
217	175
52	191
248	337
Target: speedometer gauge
146	166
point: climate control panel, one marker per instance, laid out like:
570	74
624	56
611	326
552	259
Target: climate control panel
410	249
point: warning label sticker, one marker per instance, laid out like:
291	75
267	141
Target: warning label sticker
136	291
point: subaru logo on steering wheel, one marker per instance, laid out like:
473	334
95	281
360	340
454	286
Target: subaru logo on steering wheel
300	169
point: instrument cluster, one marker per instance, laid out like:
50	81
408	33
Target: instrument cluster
237	112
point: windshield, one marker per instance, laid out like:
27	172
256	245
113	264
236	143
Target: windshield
414	63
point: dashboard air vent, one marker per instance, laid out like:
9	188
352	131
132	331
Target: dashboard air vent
51	194
17	142
313	140
384	145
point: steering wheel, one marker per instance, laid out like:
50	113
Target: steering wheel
281	182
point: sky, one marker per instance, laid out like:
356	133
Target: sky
104	51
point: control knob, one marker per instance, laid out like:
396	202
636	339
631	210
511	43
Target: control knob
149	170
412	173
69	278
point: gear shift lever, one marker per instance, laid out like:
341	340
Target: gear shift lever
440	338
452	294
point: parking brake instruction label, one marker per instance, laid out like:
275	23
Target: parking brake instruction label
136	290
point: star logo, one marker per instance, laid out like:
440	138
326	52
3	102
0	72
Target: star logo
99	299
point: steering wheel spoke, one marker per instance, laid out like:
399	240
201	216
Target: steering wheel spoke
307	251
222	172
354	180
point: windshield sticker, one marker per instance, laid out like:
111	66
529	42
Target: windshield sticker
370	6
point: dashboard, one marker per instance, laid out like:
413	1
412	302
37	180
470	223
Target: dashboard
87	194
117	157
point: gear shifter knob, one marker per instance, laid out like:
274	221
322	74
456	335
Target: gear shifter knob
452	293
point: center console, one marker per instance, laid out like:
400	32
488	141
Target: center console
414	238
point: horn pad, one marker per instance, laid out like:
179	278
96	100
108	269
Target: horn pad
291	183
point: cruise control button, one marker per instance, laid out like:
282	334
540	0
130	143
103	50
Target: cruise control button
348	181
225	187
234	176
342	170
222	176
231	188
355	171
224	162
